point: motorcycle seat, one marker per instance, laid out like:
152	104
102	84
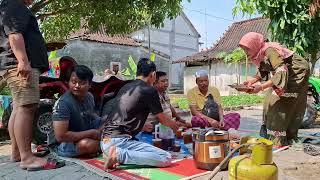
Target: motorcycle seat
98	79
46	79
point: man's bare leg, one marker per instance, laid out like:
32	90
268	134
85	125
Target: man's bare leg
23	134
15	155
111	161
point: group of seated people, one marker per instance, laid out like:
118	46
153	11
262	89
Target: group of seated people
138	106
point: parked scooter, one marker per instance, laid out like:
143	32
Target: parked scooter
52	88
313	103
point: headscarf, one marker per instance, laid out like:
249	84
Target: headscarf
257	47
201	73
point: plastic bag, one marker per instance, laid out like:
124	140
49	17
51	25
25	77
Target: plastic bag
211	108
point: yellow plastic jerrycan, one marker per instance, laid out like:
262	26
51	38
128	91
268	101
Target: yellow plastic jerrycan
257	166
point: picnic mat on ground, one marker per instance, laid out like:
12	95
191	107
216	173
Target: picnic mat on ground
182	167
178	170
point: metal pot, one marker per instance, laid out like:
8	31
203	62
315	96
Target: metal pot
210	147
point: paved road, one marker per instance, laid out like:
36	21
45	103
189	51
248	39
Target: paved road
11	171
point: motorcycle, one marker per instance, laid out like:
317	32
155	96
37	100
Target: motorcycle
52	88
313	103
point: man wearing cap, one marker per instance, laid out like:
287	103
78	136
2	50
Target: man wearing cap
197	97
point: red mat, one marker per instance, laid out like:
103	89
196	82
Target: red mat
177	170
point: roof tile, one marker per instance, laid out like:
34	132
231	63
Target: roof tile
103	37
230	39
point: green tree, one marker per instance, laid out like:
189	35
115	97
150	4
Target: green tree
60	17
291	23
236	57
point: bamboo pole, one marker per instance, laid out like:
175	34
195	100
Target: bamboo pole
246	68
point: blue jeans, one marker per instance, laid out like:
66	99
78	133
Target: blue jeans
69	149
134	152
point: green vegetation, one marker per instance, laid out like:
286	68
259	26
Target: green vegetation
181	102
291	23
58	18
236	56
5	91
1	112
227	101
241	100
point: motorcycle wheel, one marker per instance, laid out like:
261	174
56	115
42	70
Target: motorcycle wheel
310	114
42	124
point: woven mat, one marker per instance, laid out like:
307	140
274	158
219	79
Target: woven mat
183	165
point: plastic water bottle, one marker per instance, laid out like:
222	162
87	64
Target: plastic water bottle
166	134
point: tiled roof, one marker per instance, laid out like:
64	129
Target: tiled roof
230	39
101	36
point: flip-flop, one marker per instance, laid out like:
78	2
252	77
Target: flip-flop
41	151
50	164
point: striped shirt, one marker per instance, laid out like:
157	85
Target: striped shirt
165	103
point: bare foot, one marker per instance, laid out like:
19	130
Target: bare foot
111	162
15	157
32	162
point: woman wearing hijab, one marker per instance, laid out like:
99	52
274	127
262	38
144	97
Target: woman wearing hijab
286	74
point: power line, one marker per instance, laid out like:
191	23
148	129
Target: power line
205	21
206	14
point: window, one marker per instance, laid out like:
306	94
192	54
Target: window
115	67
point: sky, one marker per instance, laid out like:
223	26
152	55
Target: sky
219	17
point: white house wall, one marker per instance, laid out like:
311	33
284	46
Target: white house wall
98	56
189	77
221	75
180	26
185	42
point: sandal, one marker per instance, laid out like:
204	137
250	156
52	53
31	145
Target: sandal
50	164
41	151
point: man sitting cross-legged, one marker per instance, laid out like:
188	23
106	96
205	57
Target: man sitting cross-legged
161	84
127	117
74	121
197	97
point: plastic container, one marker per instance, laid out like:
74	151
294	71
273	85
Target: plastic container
166	134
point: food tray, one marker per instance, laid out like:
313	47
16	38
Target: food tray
241	87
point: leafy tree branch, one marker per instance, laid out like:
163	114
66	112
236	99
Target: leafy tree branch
291	24
61	17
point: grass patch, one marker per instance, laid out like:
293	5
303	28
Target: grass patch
1	111
5	91
227	101
241	100
182	103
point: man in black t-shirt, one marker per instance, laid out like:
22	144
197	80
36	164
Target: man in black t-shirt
23	56
129	112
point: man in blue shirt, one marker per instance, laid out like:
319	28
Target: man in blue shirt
76	126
